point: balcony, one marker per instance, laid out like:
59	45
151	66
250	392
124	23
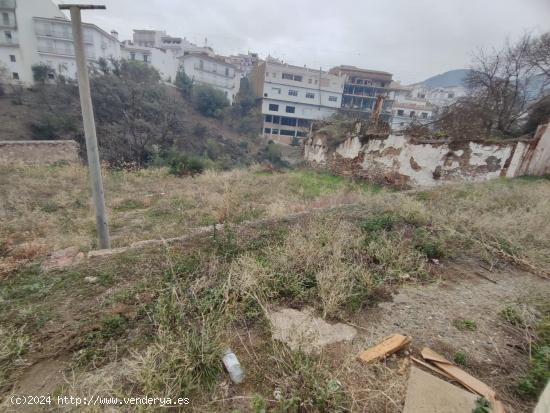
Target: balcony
214	72
7	4
60	34
8	42
68	51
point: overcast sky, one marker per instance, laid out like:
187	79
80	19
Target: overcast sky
413	39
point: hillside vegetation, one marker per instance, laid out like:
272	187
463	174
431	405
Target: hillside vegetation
139	118
155	321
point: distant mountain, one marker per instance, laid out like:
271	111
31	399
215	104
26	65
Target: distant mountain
451	78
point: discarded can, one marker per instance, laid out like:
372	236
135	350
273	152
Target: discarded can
233	366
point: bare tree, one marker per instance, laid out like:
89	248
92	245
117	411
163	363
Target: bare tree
499	86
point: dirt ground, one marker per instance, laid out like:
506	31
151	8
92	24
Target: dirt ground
495	351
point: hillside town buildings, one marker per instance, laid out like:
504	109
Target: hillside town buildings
361	89
293	97
214	71
36	31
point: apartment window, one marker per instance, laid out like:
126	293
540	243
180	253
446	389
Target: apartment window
412	114
12	58
276	119
421	95
267	130
301	134
132	56
400	112
276	90
274	131
287	132
298	78
51	75
227	71
288	76
290	109
451	95
332	99
292	92
7	33
6	18
273	107
201	64
145	58
265	95
424	115
268	118
309	81
15	75
288	121
310	95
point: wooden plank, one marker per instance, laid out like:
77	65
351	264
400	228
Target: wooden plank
388	346
459	375
432	368
430	355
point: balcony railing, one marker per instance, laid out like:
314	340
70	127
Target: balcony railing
7	4
61	34
69	51
214	72
8	42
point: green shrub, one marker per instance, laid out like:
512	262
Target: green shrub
460	358
182	164
428	244
532	384
384	222
511	315
42	72
209	101
465	324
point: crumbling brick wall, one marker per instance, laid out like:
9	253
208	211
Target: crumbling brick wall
404	161
38	152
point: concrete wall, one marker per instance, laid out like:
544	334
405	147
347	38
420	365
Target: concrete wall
407	162
38	152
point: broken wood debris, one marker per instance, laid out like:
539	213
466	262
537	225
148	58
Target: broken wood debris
386	347
467	380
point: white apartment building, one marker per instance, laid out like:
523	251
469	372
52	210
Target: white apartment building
408	107
161	59
213	71
245	62
293	97
36	31
441	96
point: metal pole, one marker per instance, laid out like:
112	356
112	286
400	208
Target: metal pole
89	128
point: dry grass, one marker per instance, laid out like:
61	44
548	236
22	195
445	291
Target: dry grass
48	208
203	297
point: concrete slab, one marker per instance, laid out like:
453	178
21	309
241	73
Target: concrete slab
301	330
428	394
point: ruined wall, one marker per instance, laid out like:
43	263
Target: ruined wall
38	152
408	162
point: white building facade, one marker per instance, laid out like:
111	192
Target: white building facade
164	61
408	107
36	31
213	71
293	97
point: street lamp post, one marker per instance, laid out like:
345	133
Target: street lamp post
88	121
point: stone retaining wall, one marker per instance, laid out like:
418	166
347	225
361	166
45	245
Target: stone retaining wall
38	152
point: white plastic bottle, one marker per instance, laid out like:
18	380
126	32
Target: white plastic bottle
233	366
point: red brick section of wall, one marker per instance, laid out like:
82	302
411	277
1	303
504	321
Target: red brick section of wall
38	152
